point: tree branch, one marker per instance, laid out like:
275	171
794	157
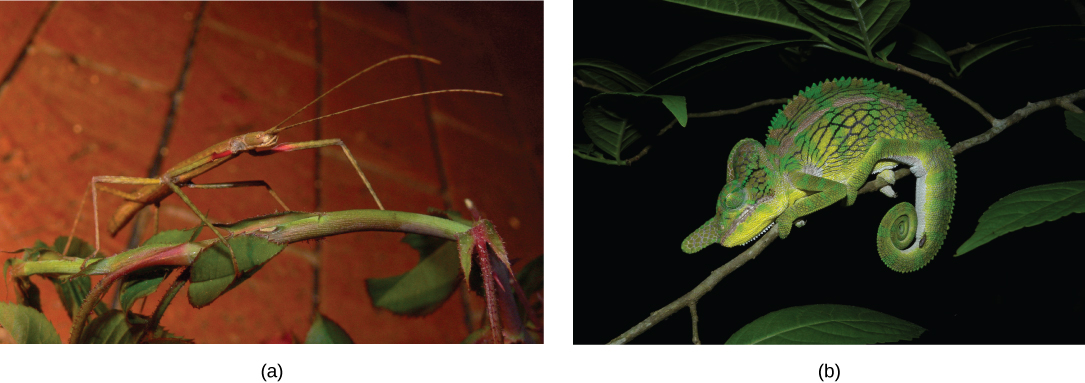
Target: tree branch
724	112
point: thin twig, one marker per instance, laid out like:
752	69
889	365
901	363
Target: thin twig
703	288
724	112
693	313
941	84
967	47
690	299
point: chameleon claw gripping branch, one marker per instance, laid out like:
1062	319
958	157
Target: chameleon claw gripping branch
821	147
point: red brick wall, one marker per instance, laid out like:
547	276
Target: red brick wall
91	95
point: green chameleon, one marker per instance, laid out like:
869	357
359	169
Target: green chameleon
821	147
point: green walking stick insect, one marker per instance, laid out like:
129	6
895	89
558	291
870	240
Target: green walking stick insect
260	143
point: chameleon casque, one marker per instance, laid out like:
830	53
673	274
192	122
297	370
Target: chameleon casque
821	147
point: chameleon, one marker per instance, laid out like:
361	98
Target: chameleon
821	147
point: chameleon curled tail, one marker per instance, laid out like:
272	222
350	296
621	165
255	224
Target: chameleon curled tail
821	148
908	238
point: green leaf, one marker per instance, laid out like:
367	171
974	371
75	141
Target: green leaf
608	75
1027	207
420	290
140	284
29	294
825	324
1021	38
710	48
173	237
478	336
924	47
1076	123
326	331
611	133
26	325
884	52
119	327
213	273
79	249
714	62
769	11
465	246
531	276
424	244
110	328
861	25
73	292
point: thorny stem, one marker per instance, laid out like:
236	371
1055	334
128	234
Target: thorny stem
717	275
282	228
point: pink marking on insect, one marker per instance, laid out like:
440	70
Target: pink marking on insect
283	147
217	155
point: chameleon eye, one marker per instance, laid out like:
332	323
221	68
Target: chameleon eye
736	199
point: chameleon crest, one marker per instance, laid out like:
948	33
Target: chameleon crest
821	148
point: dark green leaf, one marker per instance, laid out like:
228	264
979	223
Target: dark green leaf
110	328
884	52
465	246
715	62
924	47
481	335
213	272
531	276
1076	123
119	327
73	292
140	284
326	331
26	325
424	244
611	133
608	75
1027	207
825	324
79	249
420	290
173	237
29	294
713	47
862	26
769	11
1021	38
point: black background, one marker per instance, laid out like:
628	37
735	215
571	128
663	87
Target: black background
1024	287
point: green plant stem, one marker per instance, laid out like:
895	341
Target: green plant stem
282	228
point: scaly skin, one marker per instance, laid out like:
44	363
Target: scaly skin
821	148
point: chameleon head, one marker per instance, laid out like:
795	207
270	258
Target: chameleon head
746	206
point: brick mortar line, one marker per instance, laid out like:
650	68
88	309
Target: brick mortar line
350	23
257	41
442	176
101	68
176	97
17	63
